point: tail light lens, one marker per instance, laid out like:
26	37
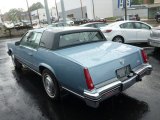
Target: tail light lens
107	31
144	56
88	79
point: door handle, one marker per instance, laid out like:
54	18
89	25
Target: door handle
30	54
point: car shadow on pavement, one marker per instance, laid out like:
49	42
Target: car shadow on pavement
120	107
156	53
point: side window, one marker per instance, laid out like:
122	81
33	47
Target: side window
100	25
137	25
36	39
91	25
143	26
31	39
128	25
24	40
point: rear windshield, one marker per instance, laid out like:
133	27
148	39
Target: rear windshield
79	38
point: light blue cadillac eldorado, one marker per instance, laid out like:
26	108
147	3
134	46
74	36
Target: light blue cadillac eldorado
81	61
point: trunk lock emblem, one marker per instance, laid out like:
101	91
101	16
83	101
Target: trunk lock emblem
122	61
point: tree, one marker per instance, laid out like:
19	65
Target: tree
36	6
14	14
151	1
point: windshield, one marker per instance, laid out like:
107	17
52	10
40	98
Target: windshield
79	38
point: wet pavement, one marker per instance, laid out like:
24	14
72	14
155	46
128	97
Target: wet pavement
22	97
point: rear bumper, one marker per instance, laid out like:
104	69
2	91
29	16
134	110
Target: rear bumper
93	98
154	42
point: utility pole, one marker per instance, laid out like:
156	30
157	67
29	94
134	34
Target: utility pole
57	10
38	18
47	12
29	13
63	11
125	7
93	9
81	8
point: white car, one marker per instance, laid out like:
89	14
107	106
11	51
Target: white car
68	21
127	31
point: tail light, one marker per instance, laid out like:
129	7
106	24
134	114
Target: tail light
107	31
151	34
144	56
88	79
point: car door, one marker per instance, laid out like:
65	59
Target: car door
128	31
33	52
26	49
143	31
22	49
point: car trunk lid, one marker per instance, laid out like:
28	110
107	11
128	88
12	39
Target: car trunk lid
103	58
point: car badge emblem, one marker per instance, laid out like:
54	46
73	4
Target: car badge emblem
138	61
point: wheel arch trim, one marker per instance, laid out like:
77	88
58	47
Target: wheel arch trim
47	67
119	36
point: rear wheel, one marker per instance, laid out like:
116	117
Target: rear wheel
50	85
158	19
16	63
118	39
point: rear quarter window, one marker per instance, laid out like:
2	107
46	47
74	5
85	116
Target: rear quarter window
47	40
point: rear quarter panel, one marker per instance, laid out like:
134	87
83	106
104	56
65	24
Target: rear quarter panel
68	73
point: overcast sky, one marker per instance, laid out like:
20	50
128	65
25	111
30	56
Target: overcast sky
5	5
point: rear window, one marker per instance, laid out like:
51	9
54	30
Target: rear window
79	38
101	25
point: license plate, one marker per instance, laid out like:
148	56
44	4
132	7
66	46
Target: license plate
123	72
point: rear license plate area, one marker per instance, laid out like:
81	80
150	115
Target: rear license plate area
123	72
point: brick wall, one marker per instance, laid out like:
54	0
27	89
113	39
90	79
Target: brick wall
156	1
12	32
146	2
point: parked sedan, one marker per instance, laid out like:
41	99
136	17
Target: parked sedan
154	39
127	31
68	21
81	61
94	24
129	17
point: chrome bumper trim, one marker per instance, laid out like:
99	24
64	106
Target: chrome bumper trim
94	97
154	42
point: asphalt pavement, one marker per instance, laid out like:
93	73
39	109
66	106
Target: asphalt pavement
22	97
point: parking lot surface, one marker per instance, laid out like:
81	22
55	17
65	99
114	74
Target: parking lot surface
22	97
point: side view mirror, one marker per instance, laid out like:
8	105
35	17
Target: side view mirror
29	36
17	43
